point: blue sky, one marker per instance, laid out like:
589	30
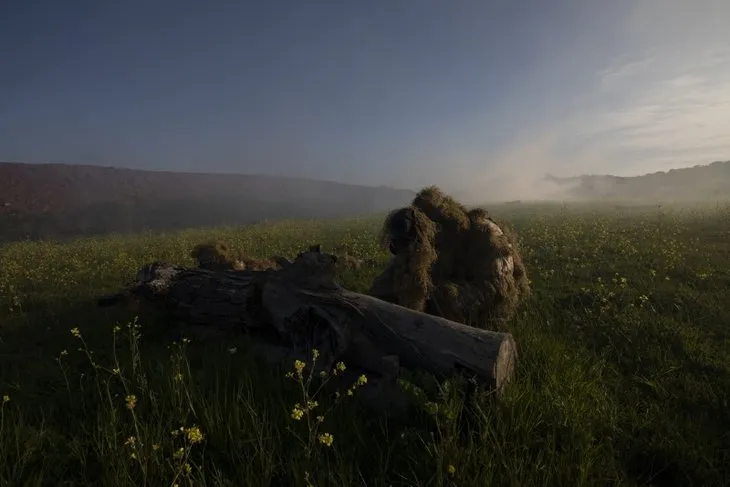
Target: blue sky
475	96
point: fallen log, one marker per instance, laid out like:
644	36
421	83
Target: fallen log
302	307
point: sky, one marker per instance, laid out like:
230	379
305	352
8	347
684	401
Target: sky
480	97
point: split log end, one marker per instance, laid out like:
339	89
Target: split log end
505	362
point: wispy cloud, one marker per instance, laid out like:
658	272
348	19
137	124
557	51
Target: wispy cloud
663	112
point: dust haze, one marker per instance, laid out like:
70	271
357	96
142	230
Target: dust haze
541	170
517	173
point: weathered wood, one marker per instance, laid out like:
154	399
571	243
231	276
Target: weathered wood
303	307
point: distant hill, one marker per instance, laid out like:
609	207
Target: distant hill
708	182
60	200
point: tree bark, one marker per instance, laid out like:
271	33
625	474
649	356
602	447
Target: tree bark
300	307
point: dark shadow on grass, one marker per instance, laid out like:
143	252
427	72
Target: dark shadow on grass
32	343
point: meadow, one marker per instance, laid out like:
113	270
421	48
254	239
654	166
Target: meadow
623	375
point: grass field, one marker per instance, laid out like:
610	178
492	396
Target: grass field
623	379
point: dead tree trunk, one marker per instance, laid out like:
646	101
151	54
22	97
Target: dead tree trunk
302	307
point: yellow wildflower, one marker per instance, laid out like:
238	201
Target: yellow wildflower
297	413
299	367
194	435
131	401
451	469
326	439
75	332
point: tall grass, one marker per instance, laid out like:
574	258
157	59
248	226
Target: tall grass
623	379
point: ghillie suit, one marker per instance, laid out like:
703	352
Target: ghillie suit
217	256
252	264
452	223
410	236
347	261
451	262
490	278
344	260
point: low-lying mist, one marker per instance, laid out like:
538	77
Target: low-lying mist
699	184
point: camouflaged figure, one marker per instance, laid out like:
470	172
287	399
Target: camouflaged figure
451	262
